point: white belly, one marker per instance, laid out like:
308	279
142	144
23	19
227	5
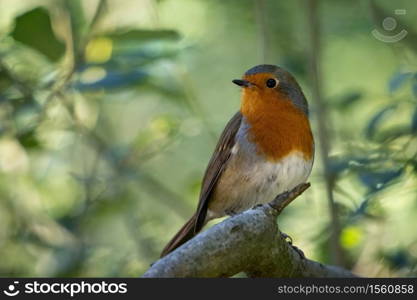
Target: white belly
249	179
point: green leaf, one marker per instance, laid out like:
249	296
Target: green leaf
392	133
376	120
34	29
398	259
28	139
398	80
142	35
377	180
348	99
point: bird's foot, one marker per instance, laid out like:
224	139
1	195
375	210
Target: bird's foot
288	239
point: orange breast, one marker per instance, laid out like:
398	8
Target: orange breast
276	126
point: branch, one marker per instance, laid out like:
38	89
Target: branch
249	242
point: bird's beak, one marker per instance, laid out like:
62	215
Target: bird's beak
242	83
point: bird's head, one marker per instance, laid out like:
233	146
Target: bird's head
268	87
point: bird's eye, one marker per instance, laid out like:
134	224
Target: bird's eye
271	83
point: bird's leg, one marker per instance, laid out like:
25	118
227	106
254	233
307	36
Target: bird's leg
288	239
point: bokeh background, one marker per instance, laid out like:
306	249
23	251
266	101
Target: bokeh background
109	112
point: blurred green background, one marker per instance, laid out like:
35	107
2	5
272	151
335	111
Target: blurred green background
109	112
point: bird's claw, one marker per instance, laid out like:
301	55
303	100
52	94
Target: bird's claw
288	239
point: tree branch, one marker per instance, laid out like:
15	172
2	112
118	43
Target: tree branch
249	242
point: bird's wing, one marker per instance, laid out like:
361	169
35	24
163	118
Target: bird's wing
216	166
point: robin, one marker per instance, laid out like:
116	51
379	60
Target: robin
267	148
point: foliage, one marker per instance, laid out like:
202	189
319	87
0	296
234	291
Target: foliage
109	113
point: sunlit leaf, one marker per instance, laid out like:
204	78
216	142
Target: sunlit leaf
351	236
160	127
99	50
34	29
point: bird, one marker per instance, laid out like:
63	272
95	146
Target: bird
266	148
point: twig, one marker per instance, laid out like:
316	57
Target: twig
284	199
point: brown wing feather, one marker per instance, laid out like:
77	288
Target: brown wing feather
213	172
216	166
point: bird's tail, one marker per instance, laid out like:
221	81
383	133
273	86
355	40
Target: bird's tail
187	232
